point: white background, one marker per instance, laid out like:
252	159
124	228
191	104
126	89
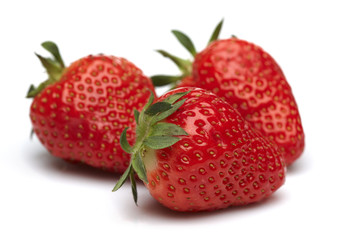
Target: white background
317	44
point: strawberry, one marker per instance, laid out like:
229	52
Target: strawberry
80	111
250	80
195	152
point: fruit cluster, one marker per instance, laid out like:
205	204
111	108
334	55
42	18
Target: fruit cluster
223	136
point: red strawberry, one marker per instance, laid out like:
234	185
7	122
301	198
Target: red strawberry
80	111
251	81
196	153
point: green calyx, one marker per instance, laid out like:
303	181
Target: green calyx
54	67
185	66
150	133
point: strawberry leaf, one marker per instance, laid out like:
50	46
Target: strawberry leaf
54	50
136	115
133	187
139	167
215	34
163	80
31	88
157	108
167	129
160	142
150	101
31	92
124	143
173	98
54	68
185	41
123	178
51	67
167	113
185	66
34	91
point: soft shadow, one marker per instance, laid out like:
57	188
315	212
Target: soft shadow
151	210
41	159
148	208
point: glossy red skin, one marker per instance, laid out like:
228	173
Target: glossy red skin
253	83
221	163
80	118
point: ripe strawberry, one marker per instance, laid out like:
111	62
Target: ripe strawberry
196	153
251	81
80	111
